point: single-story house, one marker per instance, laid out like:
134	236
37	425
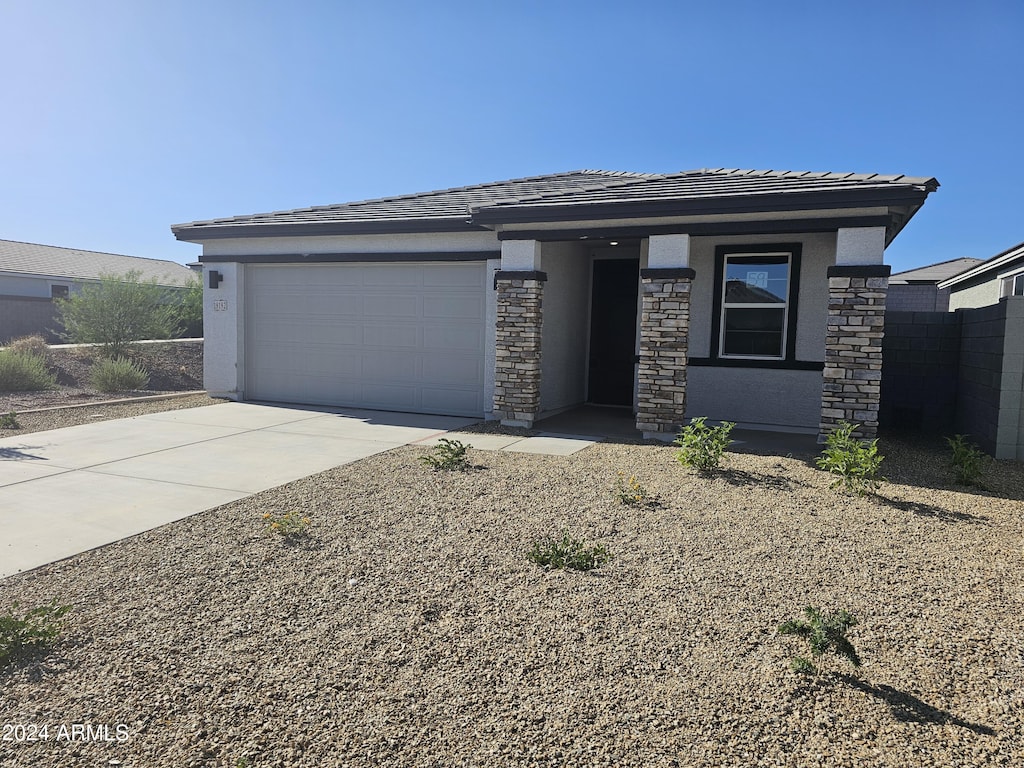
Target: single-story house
751	296
32	275
917	290
987	282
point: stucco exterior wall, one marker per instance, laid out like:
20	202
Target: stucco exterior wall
453	242
564	333
223	331
818	254
976	296
755	397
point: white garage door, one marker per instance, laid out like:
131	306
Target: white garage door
403	336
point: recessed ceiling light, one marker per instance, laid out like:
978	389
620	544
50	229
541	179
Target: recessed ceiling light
614	242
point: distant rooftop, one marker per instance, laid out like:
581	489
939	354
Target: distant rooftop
478	206
75	264
934	273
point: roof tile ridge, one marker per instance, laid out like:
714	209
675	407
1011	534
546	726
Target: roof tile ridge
374	200
615	180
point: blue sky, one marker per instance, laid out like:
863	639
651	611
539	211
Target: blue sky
122	117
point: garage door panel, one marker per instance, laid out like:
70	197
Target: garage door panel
458	338
406	305
455	307
386	367
455	371
446	276
406	336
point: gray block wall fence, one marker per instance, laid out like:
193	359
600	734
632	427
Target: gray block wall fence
957	372
27	315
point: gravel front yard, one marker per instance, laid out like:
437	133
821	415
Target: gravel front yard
409	629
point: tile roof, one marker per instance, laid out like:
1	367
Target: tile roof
75	264
466	207
934	273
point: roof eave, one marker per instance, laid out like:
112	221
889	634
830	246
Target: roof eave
762	203
993	264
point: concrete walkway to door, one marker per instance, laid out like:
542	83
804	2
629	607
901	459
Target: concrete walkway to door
69	490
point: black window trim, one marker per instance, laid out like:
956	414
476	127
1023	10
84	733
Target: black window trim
795	251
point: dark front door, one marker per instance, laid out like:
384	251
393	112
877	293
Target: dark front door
613	331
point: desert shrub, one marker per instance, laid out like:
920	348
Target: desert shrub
856	462
118	375
190	310
447	455
31	345
823	633
117	310
968	461
701	446
24	372
9	421
567	552
34	628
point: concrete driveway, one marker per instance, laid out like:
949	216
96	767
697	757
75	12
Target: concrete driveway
69	490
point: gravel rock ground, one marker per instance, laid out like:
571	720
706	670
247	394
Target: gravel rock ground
173	367
409	629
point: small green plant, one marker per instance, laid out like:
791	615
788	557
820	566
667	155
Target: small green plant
567	552
968	460
823	633
856	462
290	524
243	762
630	492
34	628
118	375
9	421
701	446
447	455
24	372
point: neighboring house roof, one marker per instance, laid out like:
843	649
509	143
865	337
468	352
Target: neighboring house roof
584	194
933	273
988	269
74	264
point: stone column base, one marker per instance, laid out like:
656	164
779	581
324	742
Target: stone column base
852	377
517	347
664	340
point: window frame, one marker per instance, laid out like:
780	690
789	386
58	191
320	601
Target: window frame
1009	284
723	253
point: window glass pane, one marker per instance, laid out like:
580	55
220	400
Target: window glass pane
58	292
1018	285
756	280
753	332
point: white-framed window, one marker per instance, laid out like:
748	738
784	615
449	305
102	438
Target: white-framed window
755	305
1013	285
58	291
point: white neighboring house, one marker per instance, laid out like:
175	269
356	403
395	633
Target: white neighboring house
988	282
33	275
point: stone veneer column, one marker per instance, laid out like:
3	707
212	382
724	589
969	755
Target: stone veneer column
517	346
664	339
853	348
